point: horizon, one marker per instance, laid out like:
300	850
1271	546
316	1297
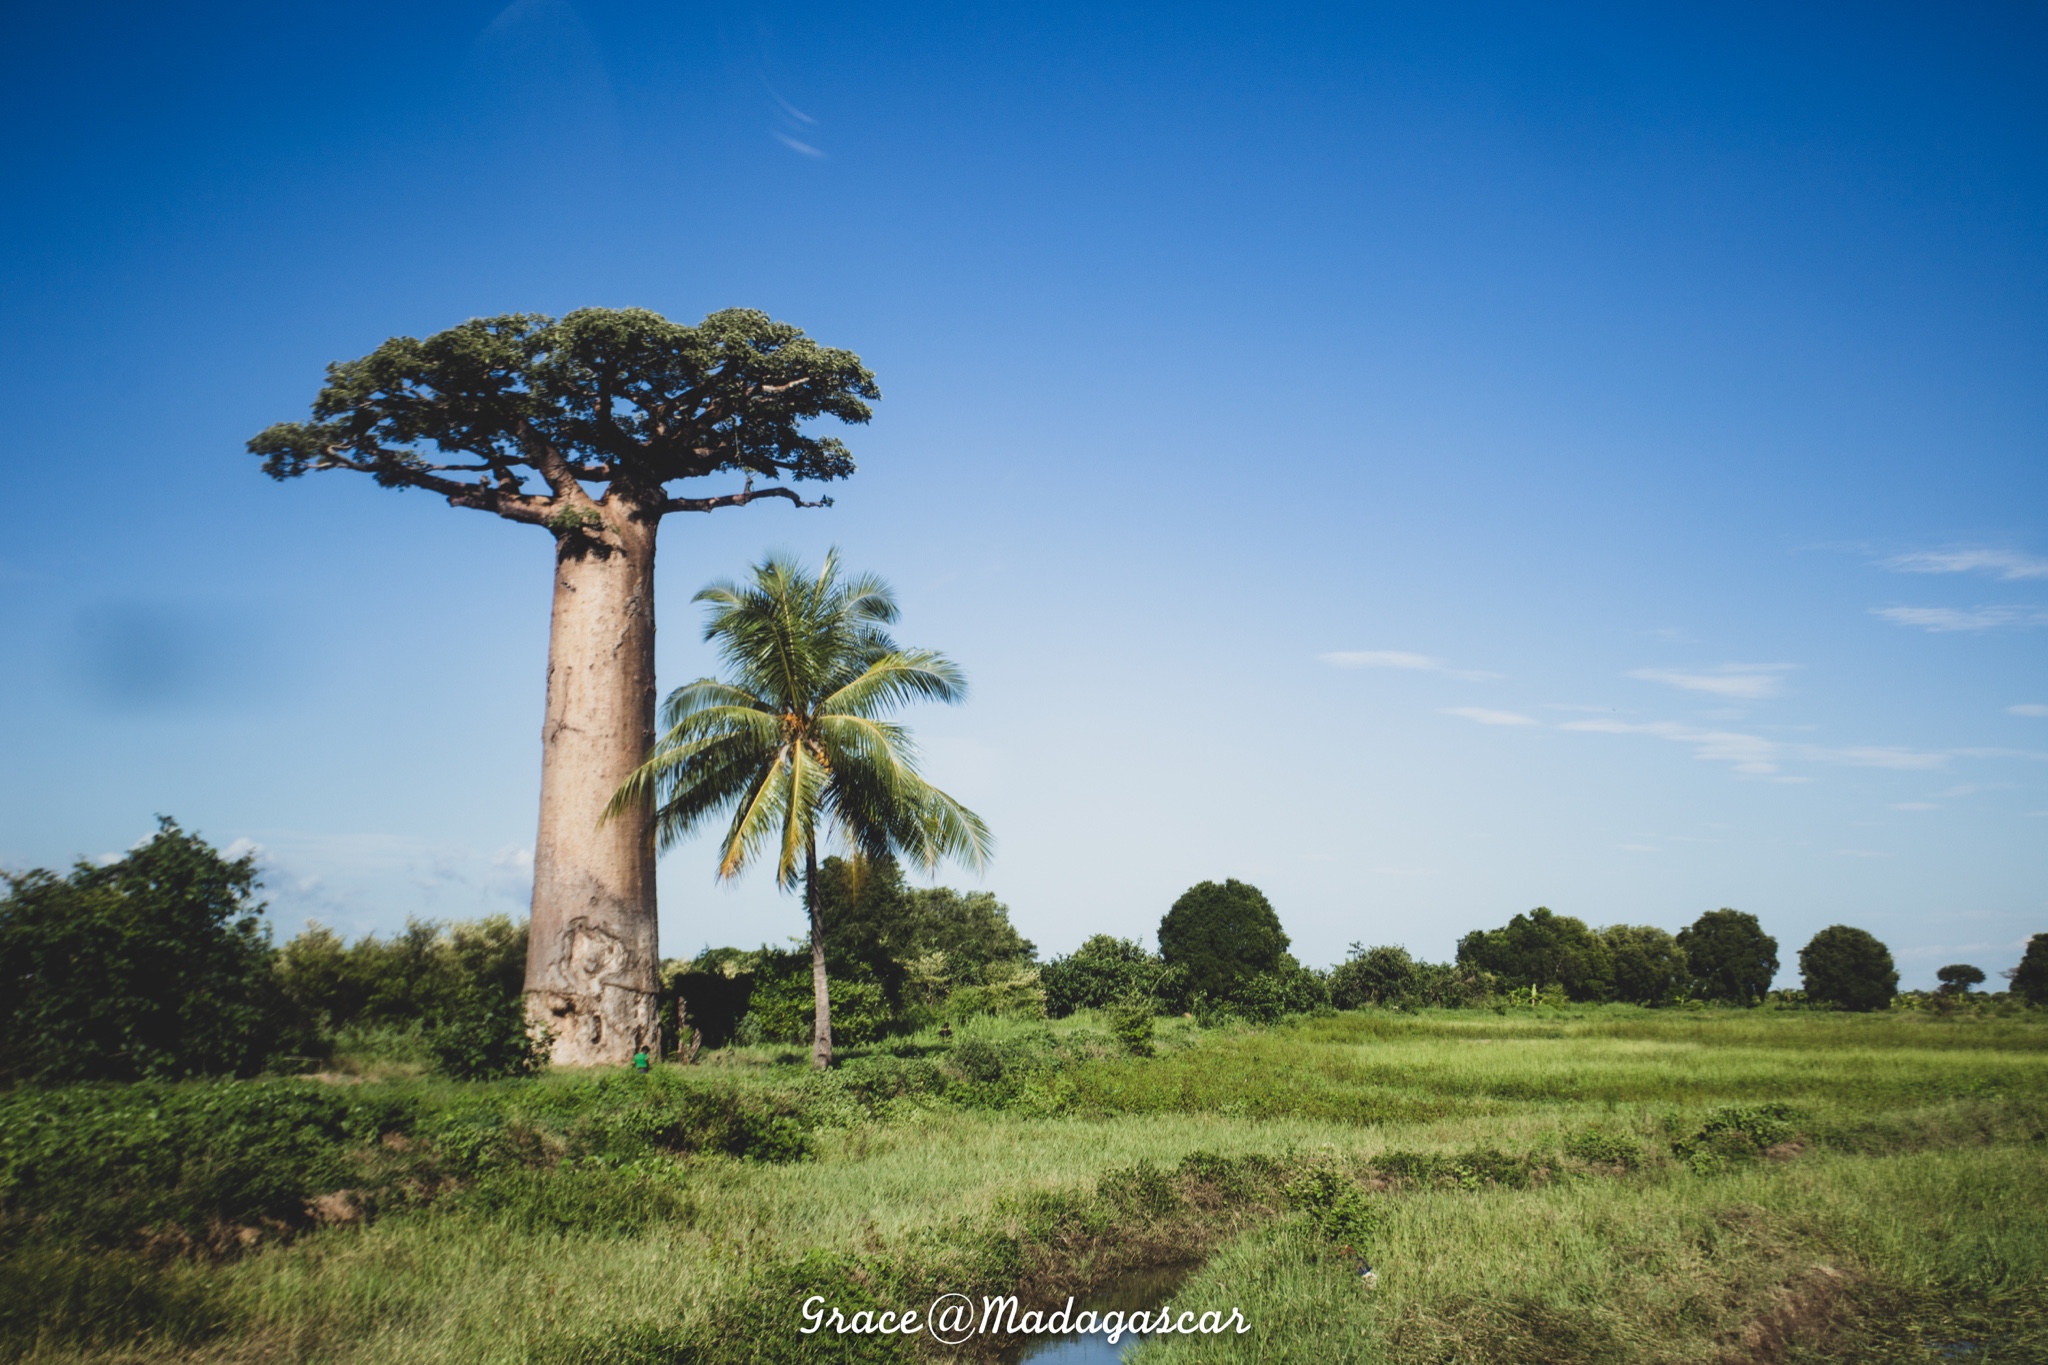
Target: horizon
1427	464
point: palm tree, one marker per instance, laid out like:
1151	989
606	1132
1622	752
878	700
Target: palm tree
794	744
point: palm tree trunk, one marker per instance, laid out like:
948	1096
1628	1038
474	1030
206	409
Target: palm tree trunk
821	1037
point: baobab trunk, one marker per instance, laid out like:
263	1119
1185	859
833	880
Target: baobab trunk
592	954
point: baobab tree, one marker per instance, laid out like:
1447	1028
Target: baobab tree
578	426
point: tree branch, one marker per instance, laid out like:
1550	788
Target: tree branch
738	500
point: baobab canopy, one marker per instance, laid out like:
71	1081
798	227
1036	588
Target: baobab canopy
484	411
524	416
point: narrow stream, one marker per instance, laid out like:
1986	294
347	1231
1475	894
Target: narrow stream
1143	1291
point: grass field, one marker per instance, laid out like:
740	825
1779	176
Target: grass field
1601	1184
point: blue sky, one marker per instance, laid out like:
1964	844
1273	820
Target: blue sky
1428	461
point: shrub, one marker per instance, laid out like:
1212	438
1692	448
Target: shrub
1849	969
1130	1023
485	1035
1335	1207
1373	976
156	965
1604	1149
428	973
783	1009
1729	957
1218	934
1097	974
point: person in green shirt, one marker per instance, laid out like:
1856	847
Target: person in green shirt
640	1059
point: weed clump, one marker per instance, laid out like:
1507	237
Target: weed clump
1734	1133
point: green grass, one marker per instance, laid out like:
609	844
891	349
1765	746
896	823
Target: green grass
1540	1185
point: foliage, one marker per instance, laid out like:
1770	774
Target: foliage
1736	1132
877	926
422	975
485	1035
1266	997
795	744
1958	977
1011	992
1373	976
1729	957
782	1008
2030	978
1649	966
1101	972
620	397
1335	1207
1217	935
1542	949
1131	1023
156	965
1849	969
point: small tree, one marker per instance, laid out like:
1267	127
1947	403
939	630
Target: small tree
1849	969
1220	934
1958	977
1649	966
2030	978
578	426
1729	957
157	965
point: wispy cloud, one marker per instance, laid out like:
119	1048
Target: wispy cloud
1403	659
803	148
1877	756
1943	619
1748	753
1998	563
1914	805
1750	682
2027	708
1487	716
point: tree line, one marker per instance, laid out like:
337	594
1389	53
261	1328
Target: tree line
161	965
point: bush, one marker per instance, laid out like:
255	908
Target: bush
1849	969
1373	976
784	1009
429	973
157	965
485	1036
1218	934
1097	974
1131	1024
1729	957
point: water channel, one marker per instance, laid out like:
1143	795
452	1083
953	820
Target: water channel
1142	1291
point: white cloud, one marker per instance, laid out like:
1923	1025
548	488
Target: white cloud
1748	753
240	847
1914	805
1878	756
1944	619
1750	682
1486	716
1404	659
1999	563
2027	708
